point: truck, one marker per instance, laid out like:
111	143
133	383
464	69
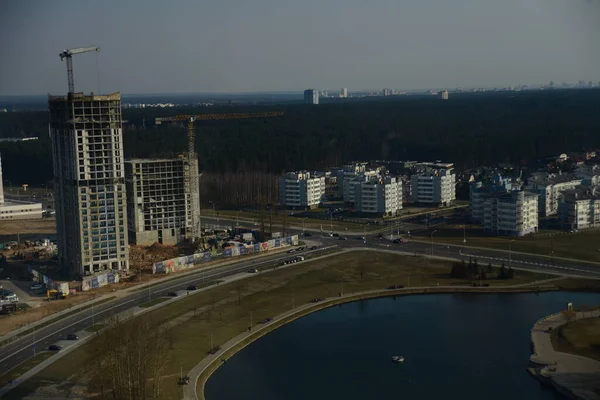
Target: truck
56	294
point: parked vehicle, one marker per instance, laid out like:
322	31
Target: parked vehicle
252	271
172	294
313	248
307	234
192	287
266	320
72	336
54	347
36	286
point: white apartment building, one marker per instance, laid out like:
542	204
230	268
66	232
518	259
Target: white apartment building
512	214
434	183
579	209
549	187
311	96
349	174
301	190
378	195
17	209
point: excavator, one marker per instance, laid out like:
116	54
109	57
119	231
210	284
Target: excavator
54	294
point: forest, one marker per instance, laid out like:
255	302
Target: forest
469	129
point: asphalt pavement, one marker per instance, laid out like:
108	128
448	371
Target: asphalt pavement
23	348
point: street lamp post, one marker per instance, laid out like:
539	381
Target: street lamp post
509	251
432	241
464	236
237	218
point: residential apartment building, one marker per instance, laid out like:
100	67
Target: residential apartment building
378	195
311	96
513	214
349	175
579	209
434	183
158	200
549	187
89	182
479	192
301	190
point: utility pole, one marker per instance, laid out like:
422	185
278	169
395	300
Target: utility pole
509	251
432	242
250	319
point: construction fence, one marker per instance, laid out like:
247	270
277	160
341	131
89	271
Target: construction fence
99	280
38	277
186	262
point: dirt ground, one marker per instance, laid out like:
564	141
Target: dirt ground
29	229
142	257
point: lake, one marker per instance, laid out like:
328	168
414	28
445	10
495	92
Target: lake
456	346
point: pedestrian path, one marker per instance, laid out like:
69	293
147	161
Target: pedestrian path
577	375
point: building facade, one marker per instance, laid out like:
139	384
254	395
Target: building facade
301	190
549	187
89	182
379	195
10	210
512	214
434	183
579	209
311	96
344	93
158	200
479	192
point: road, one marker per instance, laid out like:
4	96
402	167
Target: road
22	349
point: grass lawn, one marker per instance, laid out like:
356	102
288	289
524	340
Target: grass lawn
153	302
583	245
579	337
227	310
26	366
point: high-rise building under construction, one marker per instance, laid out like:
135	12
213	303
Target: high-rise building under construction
89	182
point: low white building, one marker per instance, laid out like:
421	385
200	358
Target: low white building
579	209
349	175
513	214
549	187
17	210
434	183
301	190
378	195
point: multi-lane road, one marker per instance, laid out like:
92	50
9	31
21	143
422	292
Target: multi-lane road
23	348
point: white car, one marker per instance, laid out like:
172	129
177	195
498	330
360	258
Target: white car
36	286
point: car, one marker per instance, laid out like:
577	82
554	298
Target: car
192	287
172	294
335	234
317	300
397	241
313	247
292	251
72	336
300	248
307	234
266	320
54	347
36	286
342	238
252	271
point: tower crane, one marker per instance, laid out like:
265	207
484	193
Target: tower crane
194	232
68	54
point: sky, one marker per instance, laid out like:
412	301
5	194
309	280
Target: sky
187	46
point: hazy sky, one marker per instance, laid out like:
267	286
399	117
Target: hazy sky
158	46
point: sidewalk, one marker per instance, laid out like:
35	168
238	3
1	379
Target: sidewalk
576	375
124	292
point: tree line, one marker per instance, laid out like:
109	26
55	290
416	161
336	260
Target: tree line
470	129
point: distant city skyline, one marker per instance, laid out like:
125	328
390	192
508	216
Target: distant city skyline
232	47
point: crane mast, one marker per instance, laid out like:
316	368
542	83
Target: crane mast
192	157
68	54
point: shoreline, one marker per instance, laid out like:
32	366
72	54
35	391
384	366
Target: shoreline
574	376
200	374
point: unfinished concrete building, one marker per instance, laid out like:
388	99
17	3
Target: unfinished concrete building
89	182
158	200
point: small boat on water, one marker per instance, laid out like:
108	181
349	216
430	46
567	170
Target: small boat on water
398	359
